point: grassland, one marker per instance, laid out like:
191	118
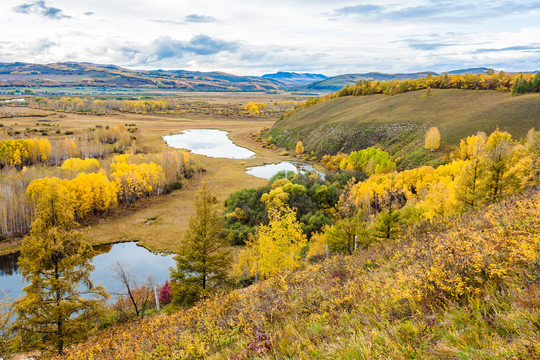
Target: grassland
398	123
172	211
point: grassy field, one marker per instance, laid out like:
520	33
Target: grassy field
172	211
398	123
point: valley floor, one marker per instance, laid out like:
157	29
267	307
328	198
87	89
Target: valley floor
173	210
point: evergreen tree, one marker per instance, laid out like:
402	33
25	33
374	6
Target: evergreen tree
60	298
499	153
349	226
203	256
387	224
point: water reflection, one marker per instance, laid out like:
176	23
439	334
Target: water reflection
269	170
140	261
8	264
208	142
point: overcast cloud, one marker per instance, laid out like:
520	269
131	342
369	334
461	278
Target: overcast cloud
256	37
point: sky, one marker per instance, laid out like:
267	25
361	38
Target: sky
254	37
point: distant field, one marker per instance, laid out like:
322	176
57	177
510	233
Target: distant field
398	123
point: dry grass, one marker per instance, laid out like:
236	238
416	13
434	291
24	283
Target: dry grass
398	123
223	176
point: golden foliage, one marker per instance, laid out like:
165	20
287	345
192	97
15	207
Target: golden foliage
76	165
85	193
367	305
299	148
24	152
133	181
276	247
433	138
495	81
371	161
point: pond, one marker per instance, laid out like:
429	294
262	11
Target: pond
268	170
12	100
208	142
140	261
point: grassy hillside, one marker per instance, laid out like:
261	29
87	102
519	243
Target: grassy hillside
468	290
398	123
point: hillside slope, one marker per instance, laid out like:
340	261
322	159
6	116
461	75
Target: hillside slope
395	300
398	123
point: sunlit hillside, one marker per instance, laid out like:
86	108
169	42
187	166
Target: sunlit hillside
398	123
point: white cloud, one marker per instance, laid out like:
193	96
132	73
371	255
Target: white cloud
255	37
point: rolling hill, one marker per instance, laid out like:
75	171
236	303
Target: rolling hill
363	306
398	123
92	75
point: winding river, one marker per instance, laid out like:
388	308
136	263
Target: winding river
143	263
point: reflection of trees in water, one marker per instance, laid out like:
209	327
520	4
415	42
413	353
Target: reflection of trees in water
102	249
8	264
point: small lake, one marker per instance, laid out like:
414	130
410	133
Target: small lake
208	142
12	100
269	170
140	261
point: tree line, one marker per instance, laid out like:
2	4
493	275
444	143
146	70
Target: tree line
94	188
516	83
104	106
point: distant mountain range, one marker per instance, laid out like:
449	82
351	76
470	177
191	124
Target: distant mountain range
292	79
111	76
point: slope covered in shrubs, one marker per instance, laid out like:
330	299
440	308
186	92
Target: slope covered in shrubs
465	287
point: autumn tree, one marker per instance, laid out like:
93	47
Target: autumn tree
533	159
499	151
60	298
471	184
255	108
387	221
203	256
299	148
276	248
433	138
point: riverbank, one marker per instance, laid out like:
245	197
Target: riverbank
159	223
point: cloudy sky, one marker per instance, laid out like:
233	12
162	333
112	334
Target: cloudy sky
253	37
